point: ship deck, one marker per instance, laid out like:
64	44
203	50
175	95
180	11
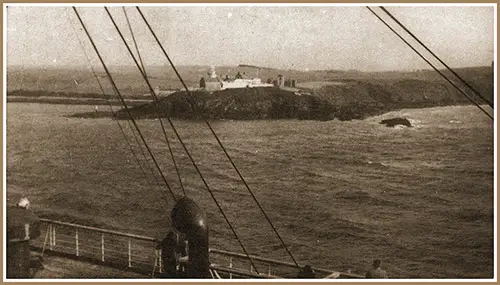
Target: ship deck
56	267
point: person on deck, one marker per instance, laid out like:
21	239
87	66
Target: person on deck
306	272
168	246
22	226
376	272
23	203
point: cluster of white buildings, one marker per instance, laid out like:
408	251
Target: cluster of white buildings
215	83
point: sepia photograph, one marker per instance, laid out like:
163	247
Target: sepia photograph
249	141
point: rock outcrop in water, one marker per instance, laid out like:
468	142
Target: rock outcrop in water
396	122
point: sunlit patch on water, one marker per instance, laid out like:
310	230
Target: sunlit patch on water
377	164
400	127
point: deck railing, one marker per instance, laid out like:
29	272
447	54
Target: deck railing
141	253
113	248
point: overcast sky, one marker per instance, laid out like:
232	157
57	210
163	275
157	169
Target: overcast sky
319	37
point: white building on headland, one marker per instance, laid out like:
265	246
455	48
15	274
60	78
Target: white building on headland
214	83
244	83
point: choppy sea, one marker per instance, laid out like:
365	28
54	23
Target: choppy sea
339	193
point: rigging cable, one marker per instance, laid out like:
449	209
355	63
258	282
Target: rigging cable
449	68
112	111
133	39
184	146
428	62
166	137
124	104
195	107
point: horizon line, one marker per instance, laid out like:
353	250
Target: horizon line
29	66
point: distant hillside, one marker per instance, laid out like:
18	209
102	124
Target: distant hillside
358	99
73	80
130	82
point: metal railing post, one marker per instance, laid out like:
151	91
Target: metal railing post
54	233
50	236
160	261
102	247
156	263
77	249
45	240
129	253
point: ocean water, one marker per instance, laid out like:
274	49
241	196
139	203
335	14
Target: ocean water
339	193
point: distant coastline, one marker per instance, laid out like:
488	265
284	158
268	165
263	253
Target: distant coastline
324	95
